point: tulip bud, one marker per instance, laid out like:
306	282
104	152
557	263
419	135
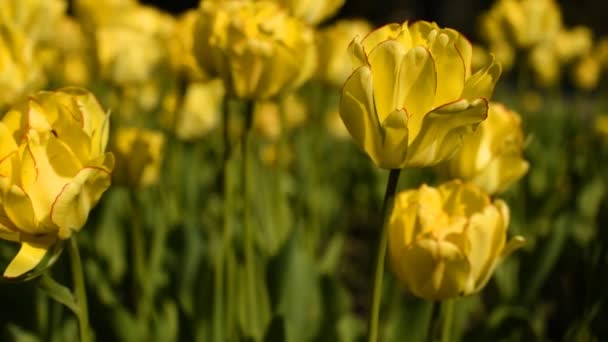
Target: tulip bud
446	242
53	170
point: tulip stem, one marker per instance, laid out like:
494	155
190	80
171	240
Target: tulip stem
387	206
80	293
248	232
447	308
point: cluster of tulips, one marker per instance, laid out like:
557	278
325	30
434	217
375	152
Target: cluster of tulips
245	75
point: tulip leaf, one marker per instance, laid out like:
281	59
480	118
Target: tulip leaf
297	293
58	292
253	301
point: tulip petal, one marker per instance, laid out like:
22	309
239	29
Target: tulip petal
514	244
442	129
20	210
357	53
375	37
481	84
502	171
420	31
385	60
450	68
71	207
450	269
28	257
71	133
417	85
486	232
393	150
464	47
8	231
357	111
8	147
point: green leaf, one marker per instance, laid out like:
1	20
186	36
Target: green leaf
58	292
253	301
298	291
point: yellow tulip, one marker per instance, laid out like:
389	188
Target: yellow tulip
525	23
181	48
131	45
570	44
36	19
255	47
139	154
446	242
20	72
587	72
200	110
72	54
491	157
312	11
545	64
53	170
412	95
332	44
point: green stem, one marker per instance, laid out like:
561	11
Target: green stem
245	174
387	206
447	308
218	283
80	293
139	286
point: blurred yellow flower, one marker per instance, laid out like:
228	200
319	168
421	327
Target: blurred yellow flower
312	11
491	157
570	44
200	110
131	44
35	18
332	43
139	154
412	95
446	242
53	170
545	64
586	72
267	119
181	48
295	109
20	72
255	47
72	58
524	23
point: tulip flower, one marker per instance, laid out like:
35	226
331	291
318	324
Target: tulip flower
53	170
491	157
446	242
139	155
255	47
412	94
